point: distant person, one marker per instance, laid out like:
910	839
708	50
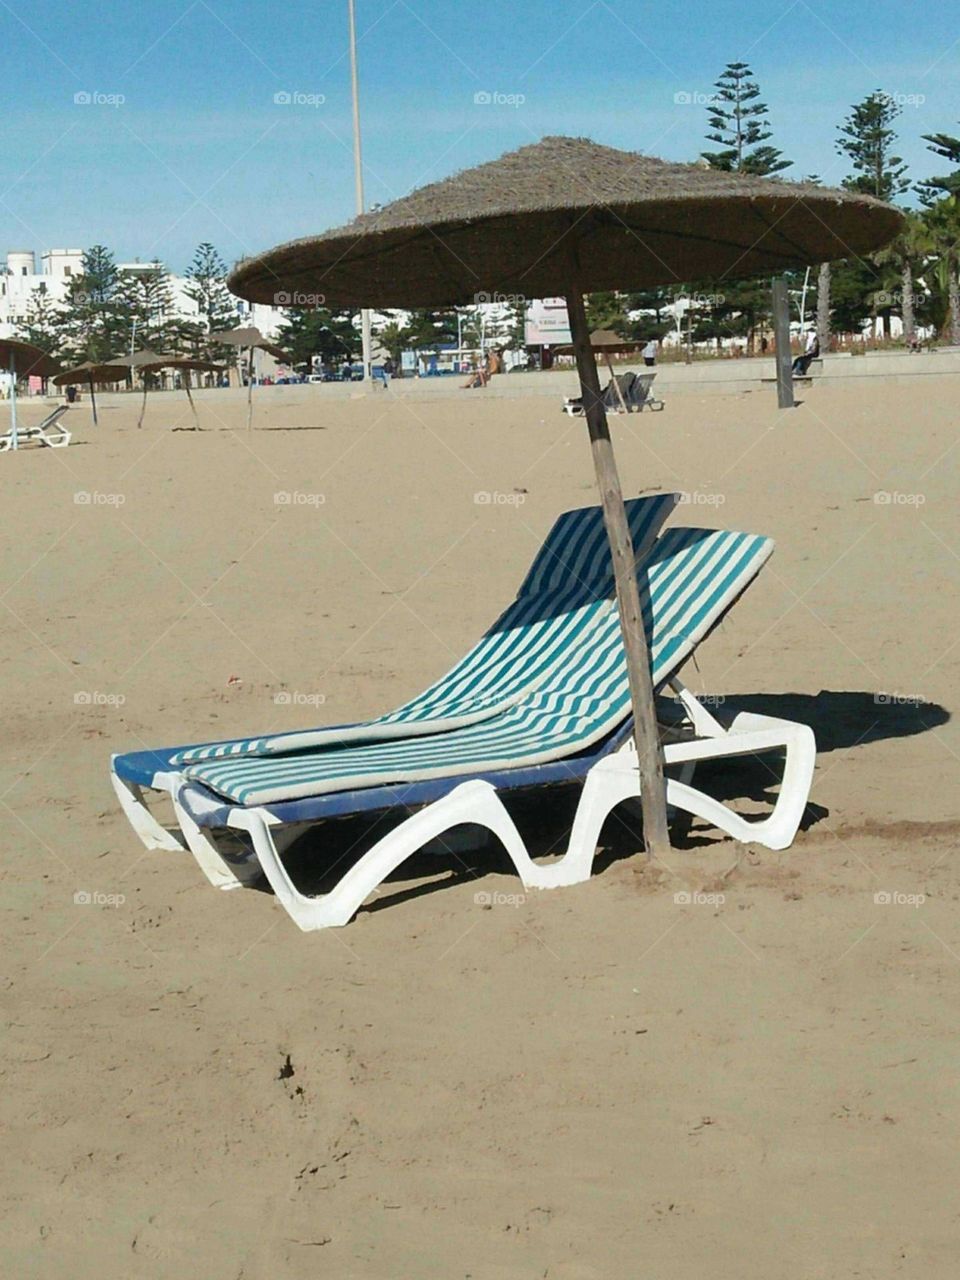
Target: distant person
810	353
72	395
649	353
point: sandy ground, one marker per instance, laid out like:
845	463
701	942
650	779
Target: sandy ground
594	1083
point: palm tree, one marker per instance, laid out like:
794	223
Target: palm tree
903	254
942	222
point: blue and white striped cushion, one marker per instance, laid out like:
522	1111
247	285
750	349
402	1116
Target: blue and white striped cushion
692	577
567	590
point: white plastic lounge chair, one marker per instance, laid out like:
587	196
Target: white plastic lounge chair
573	723
51	431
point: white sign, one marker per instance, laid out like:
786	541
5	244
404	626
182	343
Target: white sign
547	323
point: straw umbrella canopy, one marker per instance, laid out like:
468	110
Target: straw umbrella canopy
20	360
252	338
568	216
93	371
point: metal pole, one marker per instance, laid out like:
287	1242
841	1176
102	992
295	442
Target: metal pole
781	332
653	794
358	176
13	406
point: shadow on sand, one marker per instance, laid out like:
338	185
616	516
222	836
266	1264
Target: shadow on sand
840	720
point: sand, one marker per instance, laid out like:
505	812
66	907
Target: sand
592	1083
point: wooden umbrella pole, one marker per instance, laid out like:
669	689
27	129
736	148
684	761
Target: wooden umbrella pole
649	752
193	407
616	384
250	389
143	403
93	401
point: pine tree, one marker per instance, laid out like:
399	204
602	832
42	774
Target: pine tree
931	189
44	323
216	306
738	122
144	305
89	315
316	331
867	138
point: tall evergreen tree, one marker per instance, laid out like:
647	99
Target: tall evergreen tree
144	303
737	119
316	331
90	308
931	189
43	325
216	306
867	138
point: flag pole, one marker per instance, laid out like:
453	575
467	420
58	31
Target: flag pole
358	174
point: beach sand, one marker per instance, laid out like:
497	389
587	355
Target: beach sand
592	1083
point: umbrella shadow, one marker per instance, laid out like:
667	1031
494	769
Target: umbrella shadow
842	720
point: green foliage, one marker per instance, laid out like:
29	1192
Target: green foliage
738	124
867	138
317	331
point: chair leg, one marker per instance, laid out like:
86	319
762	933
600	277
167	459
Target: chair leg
153	835
221	873
474	803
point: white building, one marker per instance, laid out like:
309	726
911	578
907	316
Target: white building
20	277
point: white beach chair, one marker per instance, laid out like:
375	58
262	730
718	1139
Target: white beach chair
51	431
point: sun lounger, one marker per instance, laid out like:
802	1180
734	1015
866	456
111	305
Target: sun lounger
571	723
634	393
51	431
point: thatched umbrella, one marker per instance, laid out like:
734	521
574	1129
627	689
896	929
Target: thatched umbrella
93	371
566	215
143	360
21	359
252	338
152	362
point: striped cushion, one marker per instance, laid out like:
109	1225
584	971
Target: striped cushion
692	577
568	589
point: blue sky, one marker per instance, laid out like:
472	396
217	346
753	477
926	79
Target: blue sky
198	149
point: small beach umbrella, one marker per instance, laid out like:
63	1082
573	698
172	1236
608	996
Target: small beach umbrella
20	359
91	372
565	215
141	360
250	337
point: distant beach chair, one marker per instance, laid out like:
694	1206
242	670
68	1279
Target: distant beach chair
50	431
542	700
634	389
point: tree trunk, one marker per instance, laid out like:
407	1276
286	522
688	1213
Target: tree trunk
823	307
954	293
906	302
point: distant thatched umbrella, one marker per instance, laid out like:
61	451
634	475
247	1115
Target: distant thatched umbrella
566	215
143	360
252	338
21	359
93	371
605	343
152	362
